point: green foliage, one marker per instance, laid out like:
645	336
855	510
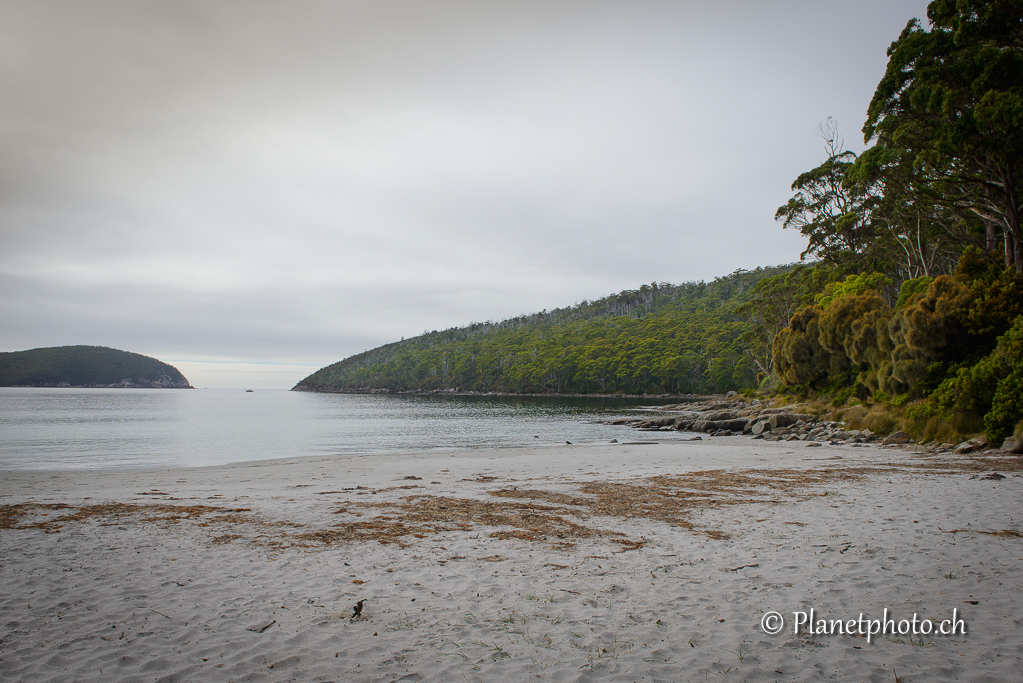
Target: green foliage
996	297
85	366
958	341
849	326
1006	363
851	285
660	338
773	303
921	334
947	121
911	288
937	341
799	357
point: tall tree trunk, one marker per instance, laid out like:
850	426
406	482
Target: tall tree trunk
1012	217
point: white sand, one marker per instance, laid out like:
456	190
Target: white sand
153	596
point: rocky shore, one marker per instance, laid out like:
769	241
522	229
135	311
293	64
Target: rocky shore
790	423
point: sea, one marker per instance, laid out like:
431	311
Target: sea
70	428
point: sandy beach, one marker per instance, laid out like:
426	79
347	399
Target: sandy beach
619	562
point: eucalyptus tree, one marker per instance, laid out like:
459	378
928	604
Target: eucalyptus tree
948	114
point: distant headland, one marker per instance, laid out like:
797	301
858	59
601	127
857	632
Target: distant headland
87	366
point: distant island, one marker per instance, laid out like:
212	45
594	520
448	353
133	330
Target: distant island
87	366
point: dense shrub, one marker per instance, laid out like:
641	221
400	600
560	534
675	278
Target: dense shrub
799	357
1007	403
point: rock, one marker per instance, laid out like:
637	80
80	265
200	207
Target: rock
719	415
970	446
994	476
897	437
772	411
761	427
813	444
1012	445
786	419
730	394
737	424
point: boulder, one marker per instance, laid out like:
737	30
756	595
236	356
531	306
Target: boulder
786	419
772	411
896	438
1011	445
716	415
737	424
970	446
761	427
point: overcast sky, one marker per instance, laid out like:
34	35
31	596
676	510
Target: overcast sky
251	190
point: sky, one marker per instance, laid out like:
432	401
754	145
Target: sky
251	190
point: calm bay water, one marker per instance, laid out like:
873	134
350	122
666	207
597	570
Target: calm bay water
93	428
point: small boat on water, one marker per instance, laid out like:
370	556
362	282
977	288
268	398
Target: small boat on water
248	391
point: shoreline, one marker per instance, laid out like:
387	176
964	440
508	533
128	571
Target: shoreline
610	562
366	391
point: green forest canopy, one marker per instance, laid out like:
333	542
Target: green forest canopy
660	338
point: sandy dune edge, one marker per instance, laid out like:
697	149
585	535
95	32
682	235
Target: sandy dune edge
616	563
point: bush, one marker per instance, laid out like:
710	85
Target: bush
799	358
911	288
1005	363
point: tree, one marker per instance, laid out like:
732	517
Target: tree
830	210
948	115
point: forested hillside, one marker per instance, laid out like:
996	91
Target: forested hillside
917	297
661	338
86	366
